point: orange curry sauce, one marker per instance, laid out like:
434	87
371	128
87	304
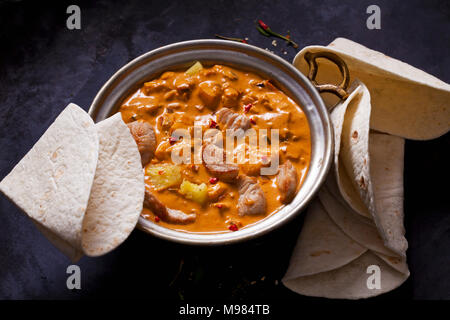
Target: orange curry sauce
167	104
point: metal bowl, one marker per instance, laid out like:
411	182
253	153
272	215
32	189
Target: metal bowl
242	56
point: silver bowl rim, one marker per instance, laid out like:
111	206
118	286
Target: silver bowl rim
213	239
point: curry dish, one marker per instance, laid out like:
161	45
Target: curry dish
215	196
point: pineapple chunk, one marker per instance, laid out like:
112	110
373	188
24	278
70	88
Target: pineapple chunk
196	68
164	176
195	192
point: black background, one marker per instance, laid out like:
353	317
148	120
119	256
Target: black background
44	66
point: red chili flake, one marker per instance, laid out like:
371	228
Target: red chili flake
219	205
172	140
252	121
244	41
233	227
212	123
160	172
157	219
247	107
263	25
213	180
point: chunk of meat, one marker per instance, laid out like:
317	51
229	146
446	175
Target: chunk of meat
287	181
276	120
249	97
232	120
252	169
165	121
230	97
214	159
155	86
213	136
184	88
163	150
226	72
144	135
171	95
167	75
216	191
251	197
166	214
257	158
210	92
183	82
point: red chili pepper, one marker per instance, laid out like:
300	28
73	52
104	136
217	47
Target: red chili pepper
247	107
212	123
157	219
244	41
219	205
263	25
213	180
266	31
252	121
172	140
233	227
160	172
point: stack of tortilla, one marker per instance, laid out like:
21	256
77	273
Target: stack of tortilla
82	184
356	222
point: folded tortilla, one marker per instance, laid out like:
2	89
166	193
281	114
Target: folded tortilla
386	171
337	245
349	281
406	101
117	194
81	184
357	219
353	169
350	121
53	181
322	246
361	231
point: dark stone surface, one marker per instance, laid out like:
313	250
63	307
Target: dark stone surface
44	66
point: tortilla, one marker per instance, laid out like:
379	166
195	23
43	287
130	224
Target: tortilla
117	194
322	245
52	182
327	262
406	101
350	121
331	259
398	263
386	171
74	254
352	168
363	199
348	282
363	232
318	265
81	184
